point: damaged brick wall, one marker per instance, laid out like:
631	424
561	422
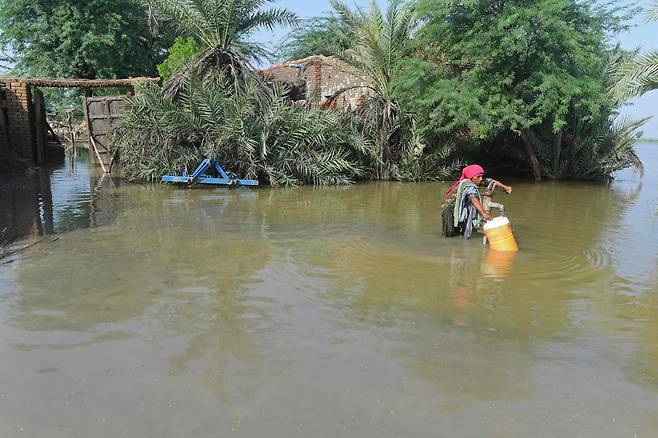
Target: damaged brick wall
337	75
324	76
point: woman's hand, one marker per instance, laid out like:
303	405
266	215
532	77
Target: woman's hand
499	185
486	215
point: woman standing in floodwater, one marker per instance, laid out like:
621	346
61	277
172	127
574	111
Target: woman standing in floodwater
462	210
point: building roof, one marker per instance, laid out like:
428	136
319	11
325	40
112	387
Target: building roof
314	59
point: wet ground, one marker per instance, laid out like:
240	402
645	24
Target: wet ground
148	310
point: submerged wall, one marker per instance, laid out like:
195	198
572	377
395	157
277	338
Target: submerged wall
6	151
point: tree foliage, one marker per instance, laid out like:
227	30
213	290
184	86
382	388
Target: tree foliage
316	36
513	76
521	82
381	41
221	28
266	138
181	52
94	39
84	39
223	110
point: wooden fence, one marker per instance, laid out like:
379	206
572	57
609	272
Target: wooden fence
101	114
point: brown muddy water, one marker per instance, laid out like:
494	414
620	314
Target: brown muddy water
149	310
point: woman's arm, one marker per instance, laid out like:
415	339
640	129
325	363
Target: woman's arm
498	184
478	207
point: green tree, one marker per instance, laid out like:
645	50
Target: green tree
381	42
638	75
517	75
316	36
84	39
221	28
181	52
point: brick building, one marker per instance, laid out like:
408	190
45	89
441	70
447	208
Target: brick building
320	77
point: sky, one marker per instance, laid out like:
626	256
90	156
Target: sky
643	35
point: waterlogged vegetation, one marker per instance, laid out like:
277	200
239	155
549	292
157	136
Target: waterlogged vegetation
522	82
516	86
338	310
255	133
524	88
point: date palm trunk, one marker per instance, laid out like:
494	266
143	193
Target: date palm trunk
384	150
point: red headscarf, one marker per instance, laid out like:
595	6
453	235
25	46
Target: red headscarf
468	173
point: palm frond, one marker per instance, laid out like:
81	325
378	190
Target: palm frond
618	146
352	20
253	133
222	27
383	40
268	20
652	13
635	77
184	17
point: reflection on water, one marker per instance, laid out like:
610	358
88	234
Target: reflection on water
55	200
327	312
497	264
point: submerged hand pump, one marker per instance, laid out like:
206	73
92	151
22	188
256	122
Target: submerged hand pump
497	231
209	172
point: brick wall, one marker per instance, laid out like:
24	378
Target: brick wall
306	71
338	75
282	73
19	115
5	151
324	76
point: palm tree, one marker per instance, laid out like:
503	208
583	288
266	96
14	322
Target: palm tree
382	41
221	28
639	75
264	137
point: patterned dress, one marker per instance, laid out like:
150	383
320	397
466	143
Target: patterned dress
459	214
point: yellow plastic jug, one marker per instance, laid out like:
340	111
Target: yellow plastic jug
499	234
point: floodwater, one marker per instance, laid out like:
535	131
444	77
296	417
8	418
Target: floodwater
148	310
